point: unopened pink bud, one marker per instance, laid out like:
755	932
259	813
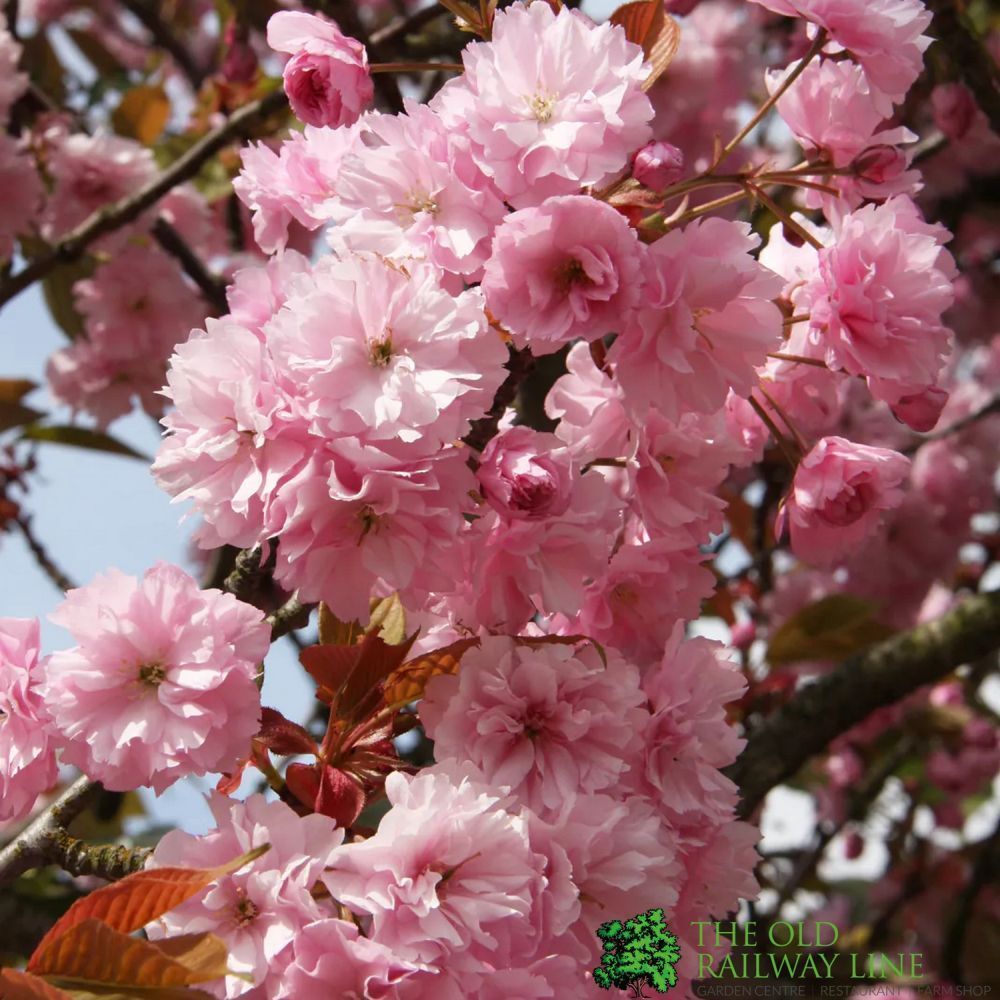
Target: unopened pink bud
880	164
657	165
742	634
922	410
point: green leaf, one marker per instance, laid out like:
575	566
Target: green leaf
81	437
57	288
831	629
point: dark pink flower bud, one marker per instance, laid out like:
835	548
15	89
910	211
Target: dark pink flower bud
657	165
922	410
954	109
681	7
327	79
880	164
742	634
240	61
854	845
526	475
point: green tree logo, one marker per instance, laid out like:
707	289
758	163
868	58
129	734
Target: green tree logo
638	952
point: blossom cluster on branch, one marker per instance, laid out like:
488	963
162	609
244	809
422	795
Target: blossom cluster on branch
507	387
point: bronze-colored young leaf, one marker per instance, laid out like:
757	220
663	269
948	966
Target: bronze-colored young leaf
408	682
142	114
138	899
14	414
334	632
388	619
81	437
93	954
831	629
16	985
13	390
647	24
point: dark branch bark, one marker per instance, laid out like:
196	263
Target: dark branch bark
519	364
882	675
163	35
46	842
113	217
211	285
969	58
61	581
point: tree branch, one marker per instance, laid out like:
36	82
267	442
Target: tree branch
61	581
146	14
519	365
45	841
110	218
880	676
986	410
212	286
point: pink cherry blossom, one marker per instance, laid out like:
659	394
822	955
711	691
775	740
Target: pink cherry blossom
569	268
622	857
327	79
232	438
161	684
831	110
878	296
588	405
689	737
519	568
884	36
13	82
568	117
526	475
27	741
350	521
383	352
20	193
545	721
645	590
295	184
839	492
262	908
450	878
90	172
707	321
410	189
332	959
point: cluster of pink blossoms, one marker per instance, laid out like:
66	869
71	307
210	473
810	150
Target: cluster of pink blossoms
349	415
161	686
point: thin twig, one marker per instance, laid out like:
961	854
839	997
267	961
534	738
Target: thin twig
402	27
986	410
814	49
110	218
985	871
61	581
212	286
163	35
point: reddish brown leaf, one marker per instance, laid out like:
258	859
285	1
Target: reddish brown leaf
647	24
303	782
282	736
92	953
16	985
137	899
350	677
334	632
339	797
407	683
